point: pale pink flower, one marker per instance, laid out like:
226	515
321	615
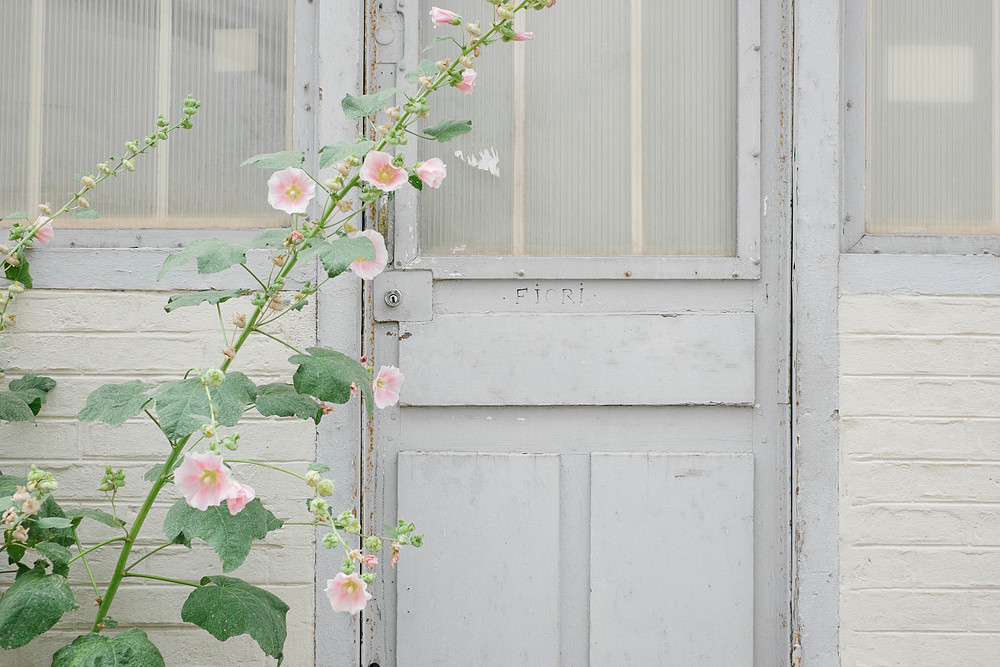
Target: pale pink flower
524	36
369	268
550	3
203	479
379	171
347	593
44	232
290	190
468	81
386	386
19	534
297	236
369	561
444	17
238	497
31	506
20	495
10	517
432	172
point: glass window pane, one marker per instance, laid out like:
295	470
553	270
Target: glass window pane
601	138
84	76
933	140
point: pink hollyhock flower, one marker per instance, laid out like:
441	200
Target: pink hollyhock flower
378	170
290	190
369	268
444	17
347	593
432	172
44	232
203	479
238	497
524	36
386	386
369	561
468	81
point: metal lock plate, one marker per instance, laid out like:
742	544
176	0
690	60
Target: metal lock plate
403	296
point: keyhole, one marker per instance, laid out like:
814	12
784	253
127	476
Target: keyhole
392	298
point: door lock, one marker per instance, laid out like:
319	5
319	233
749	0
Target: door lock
393	298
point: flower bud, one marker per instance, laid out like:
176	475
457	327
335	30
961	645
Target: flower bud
31	506
88	182
20	495
213	377
393	113
330	540
45	208
104	168
16	287
19	534
276	304
425	82
208	430
505	12
312	478
84	202
343	168
345	205
229	352
13	261
161	121
373	543
467	62
348	566
334	183
417	540
442	65
7	320
279	260
368	577
129	164
474	29
325	487
231	441
239	320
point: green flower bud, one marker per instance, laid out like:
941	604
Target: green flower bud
88	182
129	165
16	287
330	540
373	543
312	478
325	487
104	168
213	377
347	567
208	430
161	121
368	577
417	540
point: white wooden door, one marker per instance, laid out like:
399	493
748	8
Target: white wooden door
594	432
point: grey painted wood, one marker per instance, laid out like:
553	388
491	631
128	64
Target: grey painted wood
484	589
671	569
580	360
919	274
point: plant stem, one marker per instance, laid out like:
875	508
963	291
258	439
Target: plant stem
290	347
167	579
162	546
96	547
266	465
90	573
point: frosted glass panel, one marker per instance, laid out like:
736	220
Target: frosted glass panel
603	137
933	132
80	77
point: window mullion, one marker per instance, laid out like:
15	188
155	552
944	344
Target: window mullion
635	98
36	102
519	166
163	105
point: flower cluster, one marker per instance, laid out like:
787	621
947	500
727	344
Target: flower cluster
27	501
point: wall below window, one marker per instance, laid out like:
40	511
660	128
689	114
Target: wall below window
87	338
919	479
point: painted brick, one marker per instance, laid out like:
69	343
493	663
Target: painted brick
59	311
903	481
869	313
901	567
895	610
920	437
924	649
875	396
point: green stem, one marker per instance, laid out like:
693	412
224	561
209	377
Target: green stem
90	573
159	548
222	325
167	579
254	275
266	465
96	547
290	347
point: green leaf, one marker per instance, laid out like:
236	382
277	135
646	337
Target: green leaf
447	130
96	515
32	605
270	237
155	471
231	535
131	648
416	182
55	552
281	400
366	105
328	374
21	272
439	40
334	153
14	409
114	403
230	607
183	406
339	254
425	68
85	213
213	255
54	522
197	298
32	389
18	215
278	160
319	467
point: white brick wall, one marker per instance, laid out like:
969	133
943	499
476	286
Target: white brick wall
920	480
85	339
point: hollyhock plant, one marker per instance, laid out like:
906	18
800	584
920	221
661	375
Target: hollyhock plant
467	82
238	496
524	36
386	386
203	480
444	17
432	172
365	268
290	190
347	592
378	170
43	229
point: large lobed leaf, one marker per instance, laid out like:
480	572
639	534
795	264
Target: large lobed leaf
328	375
228	607
32	389
425	68
14	409
131	648
231	535
281	400
333	153
213	255
447	130
32	605
279	160
366	105
21	273
113	404
211	296
182	406
338	255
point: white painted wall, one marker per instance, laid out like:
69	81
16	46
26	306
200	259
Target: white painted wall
87	338
919	479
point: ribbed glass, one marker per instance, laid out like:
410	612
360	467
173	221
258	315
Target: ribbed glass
80	77
614	134
933	134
